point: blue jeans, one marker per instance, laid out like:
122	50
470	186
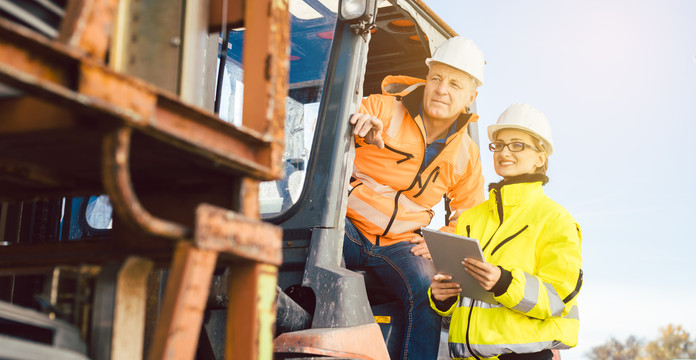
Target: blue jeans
409	278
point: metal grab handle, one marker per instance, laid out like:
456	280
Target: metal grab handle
117	182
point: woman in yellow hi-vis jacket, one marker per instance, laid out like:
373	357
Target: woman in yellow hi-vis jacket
532	250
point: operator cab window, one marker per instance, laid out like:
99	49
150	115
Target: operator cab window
312	26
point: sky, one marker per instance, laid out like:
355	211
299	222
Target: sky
617	81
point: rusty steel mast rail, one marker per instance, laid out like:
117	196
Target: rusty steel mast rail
55	73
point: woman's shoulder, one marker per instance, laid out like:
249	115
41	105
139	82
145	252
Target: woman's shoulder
552	210
476	212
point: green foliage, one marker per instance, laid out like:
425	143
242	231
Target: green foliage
673	343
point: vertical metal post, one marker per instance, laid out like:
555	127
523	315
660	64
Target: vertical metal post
87	25
129	311
193	64
251	311
185	298
266	65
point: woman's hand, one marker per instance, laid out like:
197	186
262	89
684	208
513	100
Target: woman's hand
442	290
486	274
421	248
368	127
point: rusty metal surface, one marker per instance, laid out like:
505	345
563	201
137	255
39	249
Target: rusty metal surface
131	97
251	311
88	24
266	67
229	12
26	54
117	181
225	231
101	97
93	35
358	342
184	302
267	25
77	124
249	197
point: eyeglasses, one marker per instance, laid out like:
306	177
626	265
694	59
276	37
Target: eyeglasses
513	146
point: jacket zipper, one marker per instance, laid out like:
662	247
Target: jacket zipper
499	205
508	239
396	198
468	327
396	204
435	172
408	156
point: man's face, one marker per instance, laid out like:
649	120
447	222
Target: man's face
448	92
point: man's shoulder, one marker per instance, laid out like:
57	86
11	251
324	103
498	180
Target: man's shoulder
379	105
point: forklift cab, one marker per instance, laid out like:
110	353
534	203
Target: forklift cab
336	59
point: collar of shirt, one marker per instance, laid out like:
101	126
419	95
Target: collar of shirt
432	150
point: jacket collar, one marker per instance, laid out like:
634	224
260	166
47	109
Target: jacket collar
519	179
516	191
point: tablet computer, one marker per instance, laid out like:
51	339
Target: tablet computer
448	251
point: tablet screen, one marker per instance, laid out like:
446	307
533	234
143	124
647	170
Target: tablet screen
448	251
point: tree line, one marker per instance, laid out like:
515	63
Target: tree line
673	343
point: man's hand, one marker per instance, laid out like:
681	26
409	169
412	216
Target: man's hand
421	248
486	274
442	290
369	128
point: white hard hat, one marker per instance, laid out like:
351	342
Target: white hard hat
462	54
524	117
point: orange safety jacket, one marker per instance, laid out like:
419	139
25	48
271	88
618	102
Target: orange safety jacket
390	197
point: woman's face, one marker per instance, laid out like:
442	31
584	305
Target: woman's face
508	163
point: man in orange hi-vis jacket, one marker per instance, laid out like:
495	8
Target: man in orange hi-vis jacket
411	149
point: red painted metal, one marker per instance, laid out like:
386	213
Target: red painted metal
357	342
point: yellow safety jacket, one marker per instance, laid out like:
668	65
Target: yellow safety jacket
390	196
537	242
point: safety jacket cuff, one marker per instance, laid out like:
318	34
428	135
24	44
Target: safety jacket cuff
503	283
443	308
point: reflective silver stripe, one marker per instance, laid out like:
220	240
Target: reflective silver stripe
556	304
574	313
400	226
388	192
485	305
531	294
463	155
380	220
368	212
397	118
460	350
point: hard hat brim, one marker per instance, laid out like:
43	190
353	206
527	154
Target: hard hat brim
428	61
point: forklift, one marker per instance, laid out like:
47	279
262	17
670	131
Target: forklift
242	165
